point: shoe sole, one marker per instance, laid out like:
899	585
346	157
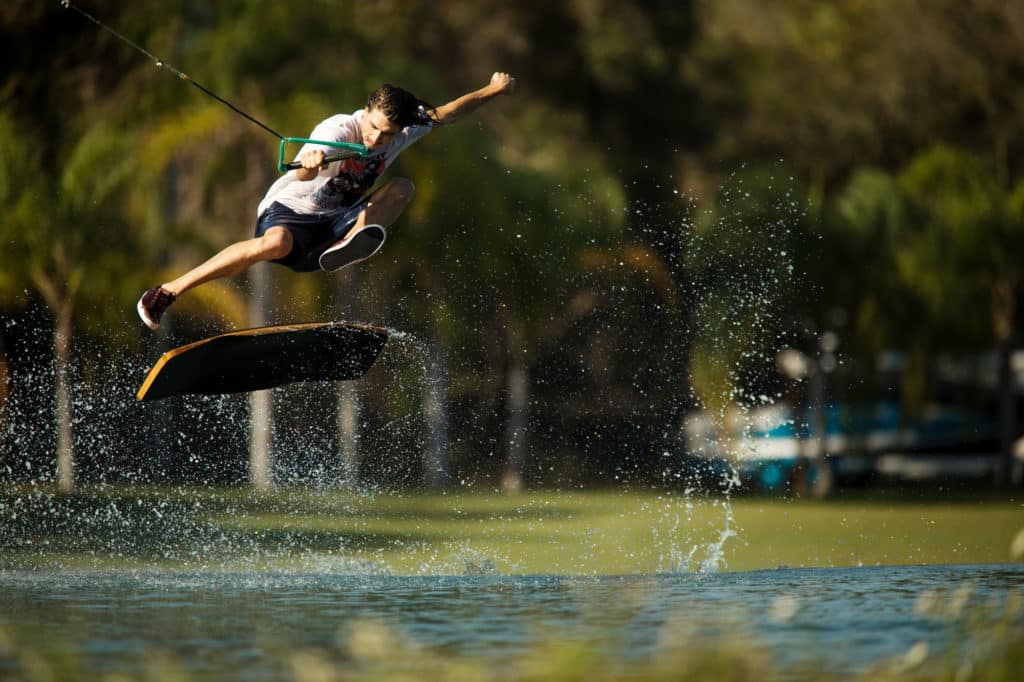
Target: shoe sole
145	318
363	245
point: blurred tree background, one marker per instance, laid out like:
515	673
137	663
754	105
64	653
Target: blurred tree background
677	191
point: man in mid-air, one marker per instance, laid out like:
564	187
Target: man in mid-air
321	216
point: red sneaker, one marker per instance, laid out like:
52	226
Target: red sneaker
359	246
153	304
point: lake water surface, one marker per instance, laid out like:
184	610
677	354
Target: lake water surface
843	620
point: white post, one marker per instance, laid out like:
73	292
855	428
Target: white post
347	392
261	407
517	388
348	432
435	450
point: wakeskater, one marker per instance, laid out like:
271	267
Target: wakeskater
325	214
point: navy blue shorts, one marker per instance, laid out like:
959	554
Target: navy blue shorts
311	234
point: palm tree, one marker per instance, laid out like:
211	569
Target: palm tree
68	249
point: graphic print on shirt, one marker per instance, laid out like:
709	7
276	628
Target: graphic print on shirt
353	179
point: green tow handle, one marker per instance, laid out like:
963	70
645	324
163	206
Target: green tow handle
346	150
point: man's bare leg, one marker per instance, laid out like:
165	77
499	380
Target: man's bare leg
275	243
237	258
385	206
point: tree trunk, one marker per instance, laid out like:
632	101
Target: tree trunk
347	392
62	302
435	413
822	481
62	397
1007	427
260	435
517	392
1004	306
261	408
5	387
348	432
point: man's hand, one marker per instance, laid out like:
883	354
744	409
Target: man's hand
314	158
312	161
503	83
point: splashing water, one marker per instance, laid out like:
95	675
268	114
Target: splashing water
119	443
740	261
734	325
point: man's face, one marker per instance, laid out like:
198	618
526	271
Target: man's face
376	129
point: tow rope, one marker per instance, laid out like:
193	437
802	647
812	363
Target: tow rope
346	150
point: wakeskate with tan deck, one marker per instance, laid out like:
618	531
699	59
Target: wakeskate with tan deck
265	357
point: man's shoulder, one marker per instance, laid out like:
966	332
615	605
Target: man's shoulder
340	121
409	135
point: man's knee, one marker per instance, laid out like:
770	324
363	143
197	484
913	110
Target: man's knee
401	189
276	243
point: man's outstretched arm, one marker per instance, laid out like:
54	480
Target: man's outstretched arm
501	83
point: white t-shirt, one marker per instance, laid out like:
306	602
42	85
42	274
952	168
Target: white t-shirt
342	183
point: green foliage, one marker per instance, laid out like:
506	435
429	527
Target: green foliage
21	189
864	226
965	239
544	219
935	241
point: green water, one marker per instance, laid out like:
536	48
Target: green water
249	625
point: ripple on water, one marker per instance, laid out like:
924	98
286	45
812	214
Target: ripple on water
845	618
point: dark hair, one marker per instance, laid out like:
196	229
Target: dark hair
400	106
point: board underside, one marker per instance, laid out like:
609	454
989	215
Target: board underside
265	357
